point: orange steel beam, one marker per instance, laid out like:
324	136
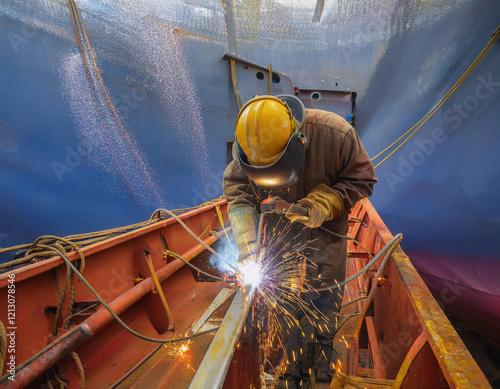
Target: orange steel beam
410	357
377	279
98	320
34	269
459	368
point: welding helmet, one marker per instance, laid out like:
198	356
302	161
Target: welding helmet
269	142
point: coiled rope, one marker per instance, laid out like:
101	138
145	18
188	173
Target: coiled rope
79	367
3	345
81	240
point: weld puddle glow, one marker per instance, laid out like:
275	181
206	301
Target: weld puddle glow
251	274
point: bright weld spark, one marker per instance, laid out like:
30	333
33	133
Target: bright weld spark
279	277
251	274
179	350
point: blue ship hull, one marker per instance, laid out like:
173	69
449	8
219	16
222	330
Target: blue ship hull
89	147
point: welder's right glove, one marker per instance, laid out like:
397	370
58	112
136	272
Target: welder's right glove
322	204
244	222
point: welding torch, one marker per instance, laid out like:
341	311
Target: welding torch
279	206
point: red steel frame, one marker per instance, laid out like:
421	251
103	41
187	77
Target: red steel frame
404	340
117	270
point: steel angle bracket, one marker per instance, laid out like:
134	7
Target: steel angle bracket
253	78
213	369
239	59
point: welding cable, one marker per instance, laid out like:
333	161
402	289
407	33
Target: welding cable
284	212
110	310
115	316
347	237
190	232
389	247
345	319
198	269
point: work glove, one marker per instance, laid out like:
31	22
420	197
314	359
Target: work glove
322	204
244	222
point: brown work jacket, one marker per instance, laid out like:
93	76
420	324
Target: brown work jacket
334	156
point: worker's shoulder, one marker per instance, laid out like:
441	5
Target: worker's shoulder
327	121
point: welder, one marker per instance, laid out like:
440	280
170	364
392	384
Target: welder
314	160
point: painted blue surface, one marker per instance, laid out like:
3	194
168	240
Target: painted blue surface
445	179
67	166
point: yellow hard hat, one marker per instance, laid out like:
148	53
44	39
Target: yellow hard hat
263	128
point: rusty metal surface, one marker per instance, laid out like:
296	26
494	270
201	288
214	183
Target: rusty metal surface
111	268
404	335
212	371
169	368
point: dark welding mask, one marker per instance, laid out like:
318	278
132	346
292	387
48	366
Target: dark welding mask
284	161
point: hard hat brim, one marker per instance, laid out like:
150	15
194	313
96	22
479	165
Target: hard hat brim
296	107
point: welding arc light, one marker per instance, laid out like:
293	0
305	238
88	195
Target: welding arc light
251	274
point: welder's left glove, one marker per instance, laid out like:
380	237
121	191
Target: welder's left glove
244	222
322	203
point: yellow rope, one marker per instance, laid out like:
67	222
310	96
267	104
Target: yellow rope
61	379
79	367
221	221
62	294
3	345
232	62
235	84
418	126
206	229
57	242
87	238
